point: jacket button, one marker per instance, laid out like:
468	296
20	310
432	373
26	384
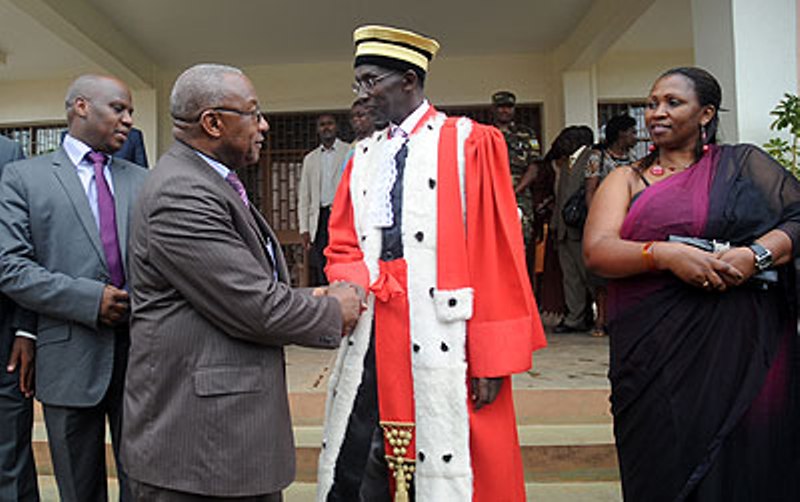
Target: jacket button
432	183
452	302
444	347
447	458
419	236
416	347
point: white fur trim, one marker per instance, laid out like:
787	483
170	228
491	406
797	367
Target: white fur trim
454	304
438	341
342	390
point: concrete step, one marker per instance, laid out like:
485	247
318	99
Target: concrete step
306	492
565	435
533	406
550	453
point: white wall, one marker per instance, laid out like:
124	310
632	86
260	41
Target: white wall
629	75
325	86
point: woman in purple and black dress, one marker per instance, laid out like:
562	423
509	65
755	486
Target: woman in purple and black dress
698	240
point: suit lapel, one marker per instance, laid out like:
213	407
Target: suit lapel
254	219
67	175
279	261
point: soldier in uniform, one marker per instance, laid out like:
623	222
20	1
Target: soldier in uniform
523	154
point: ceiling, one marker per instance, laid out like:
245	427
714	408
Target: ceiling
178	33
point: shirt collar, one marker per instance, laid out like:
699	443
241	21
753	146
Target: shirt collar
407	126
76	149
218	166
332	147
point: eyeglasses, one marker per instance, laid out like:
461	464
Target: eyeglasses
368	84
256	114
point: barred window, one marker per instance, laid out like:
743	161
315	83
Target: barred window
607	110
272	184
36	139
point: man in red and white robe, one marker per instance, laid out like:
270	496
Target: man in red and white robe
426	224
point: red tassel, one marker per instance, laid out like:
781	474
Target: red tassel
651	148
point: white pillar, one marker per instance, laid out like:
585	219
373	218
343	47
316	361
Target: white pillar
580	98
751	47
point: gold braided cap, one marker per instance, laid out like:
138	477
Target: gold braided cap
394	43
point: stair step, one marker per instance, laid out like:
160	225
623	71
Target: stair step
533	406
306	492
549	452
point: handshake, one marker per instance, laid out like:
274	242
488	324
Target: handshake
351	300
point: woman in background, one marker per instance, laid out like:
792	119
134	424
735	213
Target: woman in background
604	158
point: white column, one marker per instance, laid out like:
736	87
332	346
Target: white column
751	47
580	98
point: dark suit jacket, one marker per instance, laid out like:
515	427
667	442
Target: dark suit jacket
52	262
206	408
12	317
133	149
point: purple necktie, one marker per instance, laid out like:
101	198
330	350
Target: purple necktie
237	185
108	220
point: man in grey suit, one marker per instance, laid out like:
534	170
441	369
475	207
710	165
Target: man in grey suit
206	408
17	325
63	233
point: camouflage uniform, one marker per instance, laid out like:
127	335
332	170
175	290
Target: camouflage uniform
523	150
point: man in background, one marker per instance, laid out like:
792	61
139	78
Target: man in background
523	153
17	332
319	179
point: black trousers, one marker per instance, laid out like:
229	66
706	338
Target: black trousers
316	257
361	473
77	438
17	467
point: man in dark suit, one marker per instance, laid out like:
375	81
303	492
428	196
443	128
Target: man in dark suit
17	327
63	234
133	148
206	408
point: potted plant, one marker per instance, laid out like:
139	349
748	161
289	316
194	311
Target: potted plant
787	117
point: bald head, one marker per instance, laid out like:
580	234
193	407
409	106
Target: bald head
99	111
199	88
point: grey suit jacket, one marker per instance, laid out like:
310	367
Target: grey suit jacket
570	179
206	408
12	317
308	192
52	262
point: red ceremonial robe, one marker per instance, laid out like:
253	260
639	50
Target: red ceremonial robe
479	261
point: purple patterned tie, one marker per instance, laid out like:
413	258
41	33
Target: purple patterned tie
237	185
108	220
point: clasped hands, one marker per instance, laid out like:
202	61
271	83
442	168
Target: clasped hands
351	300
710	271
115	305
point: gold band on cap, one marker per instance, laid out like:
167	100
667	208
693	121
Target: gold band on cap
394	43
375	48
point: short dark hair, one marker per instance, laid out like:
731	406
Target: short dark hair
616	125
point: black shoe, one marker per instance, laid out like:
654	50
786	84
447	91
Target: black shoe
562	328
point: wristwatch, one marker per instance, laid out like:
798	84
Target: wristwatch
763	256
